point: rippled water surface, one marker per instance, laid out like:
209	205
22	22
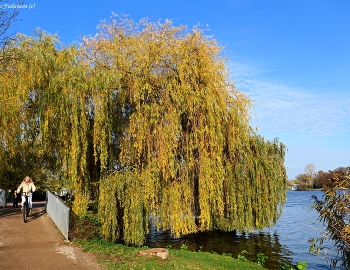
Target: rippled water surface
287	242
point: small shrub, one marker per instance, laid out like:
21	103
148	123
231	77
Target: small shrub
241	256
85	227
261	258
184	246
298	266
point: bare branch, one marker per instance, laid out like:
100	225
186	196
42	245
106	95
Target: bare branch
8	16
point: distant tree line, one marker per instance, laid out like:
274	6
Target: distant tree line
311	179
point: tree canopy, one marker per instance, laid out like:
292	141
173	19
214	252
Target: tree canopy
143	118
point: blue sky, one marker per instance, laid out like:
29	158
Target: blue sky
291	56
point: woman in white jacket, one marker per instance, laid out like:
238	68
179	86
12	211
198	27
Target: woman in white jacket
27	186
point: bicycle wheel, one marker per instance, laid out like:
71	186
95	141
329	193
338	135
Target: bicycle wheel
25	212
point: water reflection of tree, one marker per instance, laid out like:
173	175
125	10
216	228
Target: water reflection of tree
229	243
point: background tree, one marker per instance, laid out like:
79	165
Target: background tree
305	179
310	170
28	145
8	16
325	178
320	179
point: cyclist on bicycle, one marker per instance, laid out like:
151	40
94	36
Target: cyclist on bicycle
27	186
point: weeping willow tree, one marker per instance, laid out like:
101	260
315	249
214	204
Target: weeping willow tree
188	157
144	118
47	111
20	82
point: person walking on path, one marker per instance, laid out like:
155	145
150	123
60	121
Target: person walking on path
27	187
15	198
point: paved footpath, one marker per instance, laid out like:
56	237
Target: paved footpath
37	244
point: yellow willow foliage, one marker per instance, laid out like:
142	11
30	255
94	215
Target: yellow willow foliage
147	111
45	92
188	156
120	212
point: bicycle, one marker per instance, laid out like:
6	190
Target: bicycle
25	207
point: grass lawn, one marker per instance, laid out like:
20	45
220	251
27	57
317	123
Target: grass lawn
117	256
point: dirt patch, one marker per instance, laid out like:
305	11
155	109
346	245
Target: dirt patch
38	244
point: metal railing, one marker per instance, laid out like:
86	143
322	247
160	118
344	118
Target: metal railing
58	212
3	197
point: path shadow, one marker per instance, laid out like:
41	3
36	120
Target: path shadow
10	211
5	212
36	215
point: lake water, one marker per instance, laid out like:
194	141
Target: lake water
286	242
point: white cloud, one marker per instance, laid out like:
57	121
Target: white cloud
284	108
313	123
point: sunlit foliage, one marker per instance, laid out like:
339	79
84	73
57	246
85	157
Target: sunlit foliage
188	157
44	113
334	212
143	118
